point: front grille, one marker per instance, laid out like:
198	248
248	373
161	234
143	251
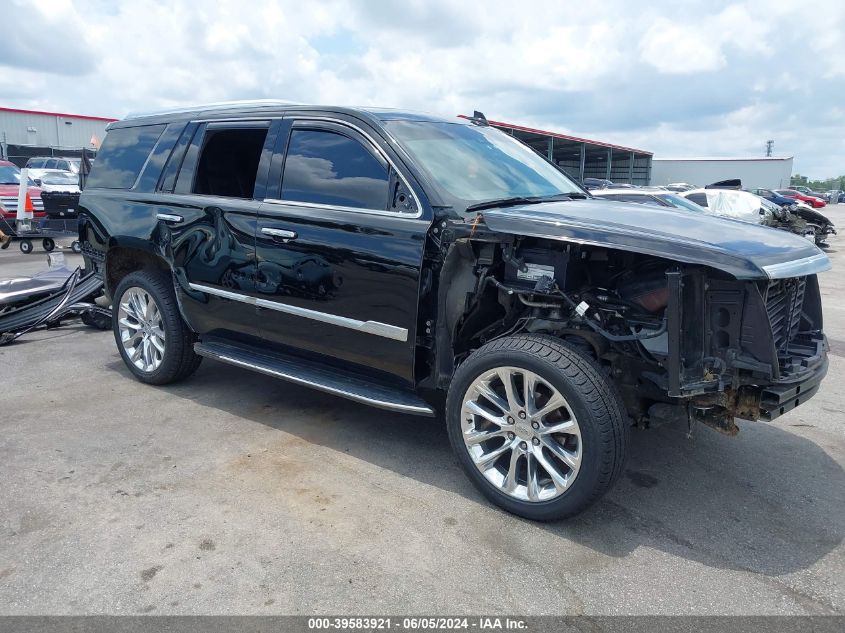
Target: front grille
11	203
784	302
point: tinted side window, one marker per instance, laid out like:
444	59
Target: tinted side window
122	156
228	163
330	168
699	198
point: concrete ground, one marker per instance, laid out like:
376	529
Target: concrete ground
234	493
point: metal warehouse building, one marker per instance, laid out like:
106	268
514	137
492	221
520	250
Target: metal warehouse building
755	173
584	158
27	133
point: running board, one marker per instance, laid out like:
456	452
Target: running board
316	375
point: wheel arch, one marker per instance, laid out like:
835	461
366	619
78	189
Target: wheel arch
123	258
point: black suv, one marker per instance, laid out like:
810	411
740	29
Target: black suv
418	264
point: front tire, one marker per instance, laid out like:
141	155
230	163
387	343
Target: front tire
154	342
536	426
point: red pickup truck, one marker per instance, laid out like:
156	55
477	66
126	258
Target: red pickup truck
10	177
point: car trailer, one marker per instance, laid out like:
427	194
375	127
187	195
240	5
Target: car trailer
48	231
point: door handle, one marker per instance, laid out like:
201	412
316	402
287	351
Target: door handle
169	217
280	234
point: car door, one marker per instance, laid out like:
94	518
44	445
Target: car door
339	247
210	215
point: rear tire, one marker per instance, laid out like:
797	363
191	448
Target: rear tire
153	339
48	244
554	460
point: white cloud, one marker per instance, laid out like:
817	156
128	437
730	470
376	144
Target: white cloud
680	49
692	77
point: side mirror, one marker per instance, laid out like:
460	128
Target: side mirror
37	182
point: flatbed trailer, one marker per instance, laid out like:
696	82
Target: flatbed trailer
48	230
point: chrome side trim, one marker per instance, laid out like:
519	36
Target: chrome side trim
334	207
169	217
383	404
817	263
225	294
368	327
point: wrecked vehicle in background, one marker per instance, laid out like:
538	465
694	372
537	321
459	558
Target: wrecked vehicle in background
467	271
820	224
749	207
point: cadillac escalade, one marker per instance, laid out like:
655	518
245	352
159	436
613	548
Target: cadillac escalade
439	267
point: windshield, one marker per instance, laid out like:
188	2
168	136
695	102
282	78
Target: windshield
61	178
680	202
475	164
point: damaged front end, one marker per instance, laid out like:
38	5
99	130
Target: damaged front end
681	339
743	349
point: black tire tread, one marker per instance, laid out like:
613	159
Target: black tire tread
600	394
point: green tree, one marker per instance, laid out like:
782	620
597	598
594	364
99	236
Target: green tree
819	185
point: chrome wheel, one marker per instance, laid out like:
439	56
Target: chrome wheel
521	434
141	329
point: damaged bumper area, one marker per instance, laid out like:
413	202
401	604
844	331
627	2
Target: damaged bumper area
775	400
30	302
754	350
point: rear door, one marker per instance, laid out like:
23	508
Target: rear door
210	221
339	247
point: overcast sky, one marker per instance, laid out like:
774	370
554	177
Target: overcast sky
697	78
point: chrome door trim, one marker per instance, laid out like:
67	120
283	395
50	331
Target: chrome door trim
335	207
368	327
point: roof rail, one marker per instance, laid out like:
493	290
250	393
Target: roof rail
211	106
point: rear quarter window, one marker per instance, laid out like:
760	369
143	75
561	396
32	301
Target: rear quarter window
699	198
122	156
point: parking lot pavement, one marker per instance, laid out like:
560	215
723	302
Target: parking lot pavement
235	493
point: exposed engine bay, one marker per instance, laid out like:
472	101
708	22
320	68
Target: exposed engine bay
667	333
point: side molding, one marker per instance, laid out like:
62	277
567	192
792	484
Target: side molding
368	327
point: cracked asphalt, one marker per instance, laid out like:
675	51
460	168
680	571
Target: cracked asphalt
233	493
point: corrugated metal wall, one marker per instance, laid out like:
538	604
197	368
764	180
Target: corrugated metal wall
48	131
758	173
